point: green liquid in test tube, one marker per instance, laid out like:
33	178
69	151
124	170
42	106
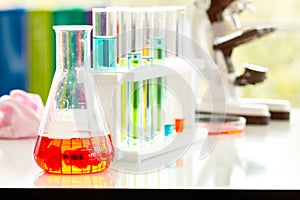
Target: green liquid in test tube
146	60
135	88
158	22
158	57
135	109
152	105
134	59
160	100
146	109
123	45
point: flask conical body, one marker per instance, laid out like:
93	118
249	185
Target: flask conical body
73	137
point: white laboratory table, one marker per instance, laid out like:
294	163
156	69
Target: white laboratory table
264	157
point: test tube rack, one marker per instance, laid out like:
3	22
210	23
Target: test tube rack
180	102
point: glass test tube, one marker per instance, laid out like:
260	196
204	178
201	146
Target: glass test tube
170	51
135	88
146	56
180	27
104	38
136	37
174	30
123	34
171	32
146	60
157	43
158	34
123	46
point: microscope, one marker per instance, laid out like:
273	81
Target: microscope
223	33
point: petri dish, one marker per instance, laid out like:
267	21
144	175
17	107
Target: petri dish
222	124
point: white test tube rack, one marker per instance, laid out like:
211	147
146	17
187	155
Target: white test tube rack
179	84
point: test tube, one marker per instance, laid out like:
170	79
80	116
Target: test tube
157	43
171	31
146	60
136	37
180	27
123	46
104	38
146	55
123	34
135	88
158	34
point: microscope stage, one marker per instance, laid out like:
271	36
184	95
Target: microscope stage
254	113
279	108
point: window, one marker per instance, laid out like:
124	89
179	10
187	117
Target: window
278	51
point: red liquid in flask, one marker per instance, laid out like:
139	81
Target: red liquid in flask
75	155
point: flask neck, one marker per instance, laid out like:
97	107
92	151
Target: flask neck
73	45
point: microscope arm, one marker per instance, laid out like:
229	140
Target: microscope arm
226	44
216	9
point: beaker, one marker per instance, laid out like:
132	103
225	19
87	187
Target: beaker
73	136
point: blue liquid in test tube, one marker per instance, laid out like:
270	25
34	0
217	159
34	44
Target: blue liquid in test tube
104	38
105	52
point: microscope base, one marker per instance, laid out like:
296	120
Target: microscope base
254	113
279	109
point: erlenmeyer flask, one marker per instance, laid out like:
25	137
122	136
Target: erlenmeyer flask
73	137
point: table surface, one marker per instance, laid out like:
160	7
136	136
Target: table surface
263	157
